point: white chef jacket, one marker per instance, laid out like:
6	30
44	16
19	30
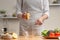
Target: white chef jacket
36	8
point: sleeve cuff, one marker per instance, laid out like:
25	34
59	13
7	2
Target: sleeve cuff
47	13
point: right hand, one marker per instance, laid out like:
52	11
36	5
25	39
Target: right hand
26	16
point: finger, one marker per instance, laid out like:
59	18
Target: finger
36	23
40	23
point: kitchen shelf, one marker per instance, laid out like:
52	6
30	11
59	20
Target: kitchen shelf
8	17
54	4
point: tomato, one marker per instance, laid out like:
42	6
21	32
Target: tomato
52	34
24	16
57	34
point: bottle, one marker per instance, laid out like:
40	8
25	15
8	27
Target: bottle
4	30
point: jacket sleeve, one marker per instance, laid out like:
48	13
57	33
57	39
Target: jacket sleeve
18	7
46	7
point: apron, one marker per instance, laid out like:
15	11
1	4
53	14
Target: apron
28	27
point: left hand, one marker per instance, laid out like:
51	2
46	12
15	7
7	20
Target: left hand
39	22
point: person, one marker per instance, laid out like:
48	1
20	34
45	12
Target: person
38	11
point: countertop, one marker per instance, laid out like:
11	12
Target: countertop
34	38
30	38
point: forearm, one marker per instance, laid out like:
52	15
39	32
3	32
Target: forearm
44	17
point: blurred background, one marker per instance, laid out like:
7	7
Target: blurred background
9	20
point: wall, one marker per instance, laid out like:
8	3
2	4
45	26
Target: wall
54	18
13	25
10	7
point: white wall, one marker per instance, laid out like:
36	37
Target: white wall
13	25
10	7
54	18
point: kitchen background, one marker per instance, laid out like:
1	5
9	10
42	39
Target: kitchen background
12	24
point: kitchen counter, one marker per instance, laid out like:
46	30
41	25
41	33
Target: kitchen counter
30	38
34	38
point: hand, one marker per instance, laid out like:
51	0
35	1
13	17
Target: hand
39	22
26	16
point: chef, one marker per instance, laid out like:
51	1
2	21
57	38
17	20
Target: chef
38	12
